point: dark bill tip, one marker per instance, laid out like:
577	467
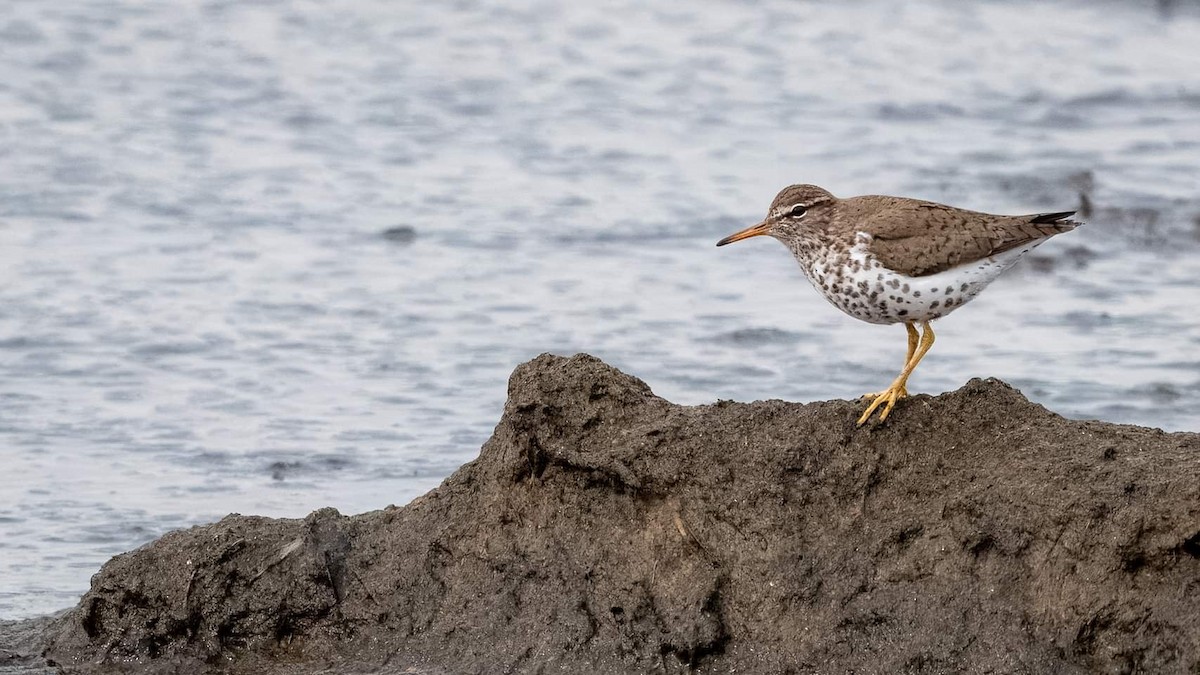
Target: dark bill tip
752	231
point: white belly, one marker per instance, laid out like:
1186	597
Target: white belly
866	290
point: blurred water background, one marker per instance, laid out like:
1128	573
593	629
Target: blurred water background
268	256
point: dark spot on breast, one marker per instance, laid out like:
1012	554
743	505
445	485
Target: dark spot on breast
963	288
916	294
934	305
894	283
949	302
933	290
949	290
905	288
879	278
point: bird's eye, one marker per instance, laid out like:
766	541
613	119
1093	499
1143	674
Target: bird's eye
797	211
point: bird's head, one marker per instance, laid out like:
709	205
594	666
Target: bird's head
794	208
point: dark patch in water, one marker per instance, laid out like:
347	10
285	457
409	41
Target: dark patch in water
401	234
755	337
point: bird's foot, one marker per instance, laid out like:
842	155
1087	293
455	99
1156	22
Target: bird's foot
887	399
874	395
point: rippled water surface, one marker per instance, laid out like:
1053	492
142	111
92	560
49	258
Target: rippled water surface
263	257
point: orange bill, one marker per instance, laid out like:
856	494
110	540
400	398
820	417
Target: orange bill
753	231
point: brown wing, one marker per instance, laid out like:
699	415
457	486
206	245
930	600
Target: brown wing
919	238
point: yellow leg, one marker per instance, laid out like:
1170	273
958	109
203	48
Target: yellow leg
913	337
897	389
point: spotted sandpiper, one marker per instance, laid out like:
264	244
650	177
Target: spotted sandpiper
898	260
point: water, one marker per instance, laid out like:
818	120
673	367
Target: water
263	257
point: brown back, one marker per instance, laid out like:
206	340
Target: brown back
919	238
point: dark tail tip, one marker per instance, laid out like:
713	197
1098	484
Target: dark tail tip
1051	218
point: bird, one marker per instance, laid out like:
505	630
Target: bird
889	260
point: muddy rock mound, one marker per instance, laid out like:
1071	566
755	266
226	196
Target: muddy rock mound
603	529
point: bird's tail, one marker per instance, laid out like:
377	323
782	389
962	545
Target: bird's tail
1059	220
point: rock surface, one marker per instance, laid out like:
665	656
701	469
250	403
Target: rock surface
21	645
603	529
